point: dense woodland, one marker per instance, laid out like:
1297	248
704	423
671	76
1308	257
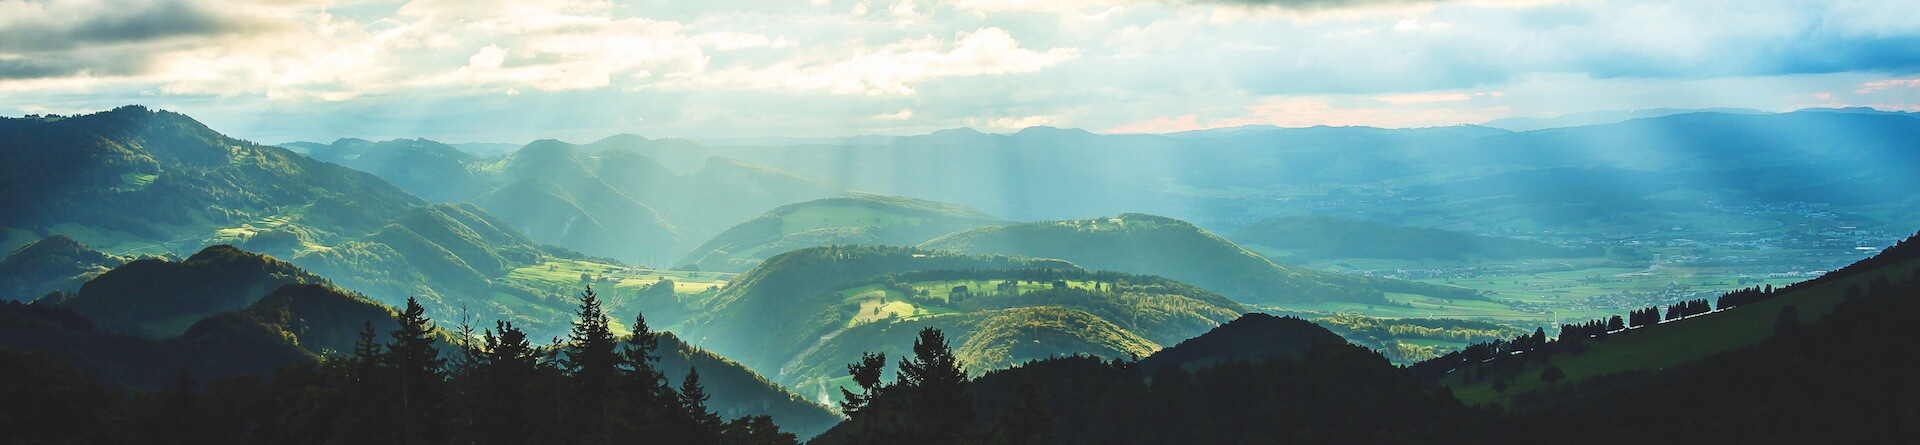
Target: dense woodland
404	387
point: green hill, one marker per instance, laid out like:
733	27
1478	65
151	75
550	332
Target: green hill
226	312
157	298
1001	317
1320	238
864	219
1175	249
550	190
135	180
55	263
1684	342
293	323
738	391
428	169
759	317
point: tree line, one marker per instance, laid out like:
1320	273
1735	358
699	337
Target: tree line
414	387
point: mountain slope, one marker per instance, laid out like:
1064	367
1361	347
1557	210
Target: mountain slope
1171	248
157	298
55	263
428	169
1682	342
999	318
551	192
1329	393
1250	338
749	320
134	178
864	219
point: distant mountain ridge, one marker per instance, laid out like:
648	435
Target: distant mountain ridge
862	219
1147	244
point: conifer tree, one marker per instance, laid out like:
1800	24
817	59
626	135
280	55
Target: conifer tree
590	357
693	400
933	384
420	371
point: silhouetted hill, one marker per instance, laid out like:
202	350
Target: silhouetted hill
157	298
1250	338
1331	392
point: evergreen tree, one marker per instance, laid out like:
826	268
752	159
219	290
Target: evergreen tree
867	419
591	359
420	372
937	406
1552	375
755	430
693	400
1030	422
508	366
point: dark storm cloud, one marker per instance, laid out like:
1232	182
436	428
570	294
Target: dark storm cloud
58	26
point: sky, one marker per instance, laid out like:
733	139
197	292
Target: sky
517	70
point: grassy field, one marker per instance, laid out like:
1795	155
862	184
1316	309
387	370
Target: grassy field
1673	343
566	272
878	302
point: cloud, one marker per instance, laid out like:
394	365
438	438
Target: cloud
894	68
594	67
1309	4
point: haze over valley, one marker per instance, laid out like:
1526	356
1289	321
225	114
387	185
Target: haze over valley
946	222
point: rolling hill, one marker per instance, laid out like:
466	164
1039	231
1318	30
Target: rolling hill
431	170
802	316
759	317
135	181
1171	248
226	312
53	264
1684	342
608	198
1000	318
863	219
157	298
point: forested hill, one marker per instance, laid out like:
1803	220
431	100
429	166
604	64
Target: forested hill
134	176
55	263
862	219
1329	392
1147	244
225	313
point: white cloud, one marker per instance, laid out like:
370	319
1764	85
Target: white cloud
892	69
875	65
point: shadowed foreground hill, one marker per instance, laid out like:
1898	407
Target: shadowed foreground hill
157	298
55	263
1330	393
